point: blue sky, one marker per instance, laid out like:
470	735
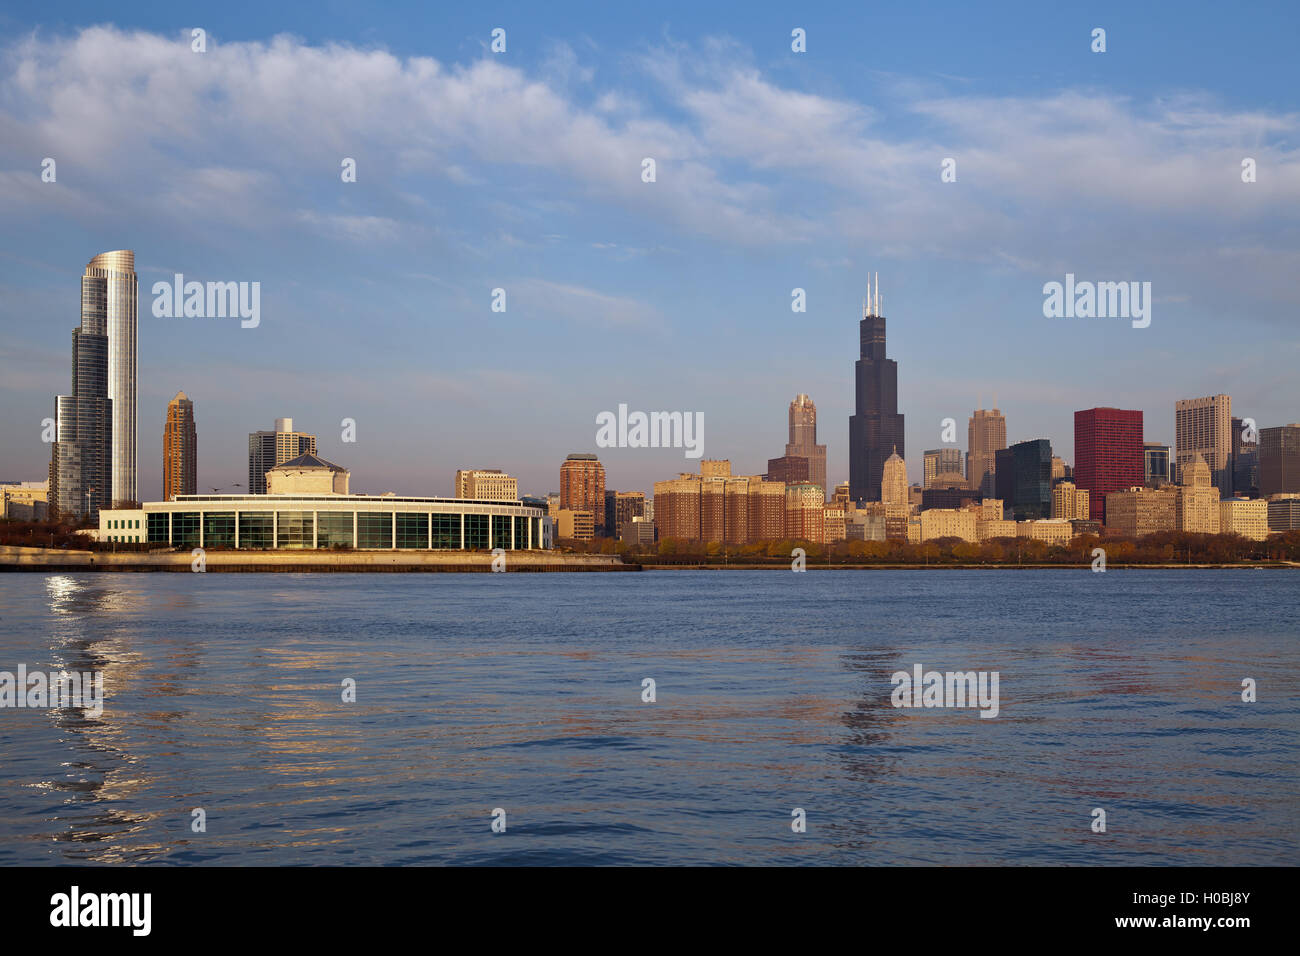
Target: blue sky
521	170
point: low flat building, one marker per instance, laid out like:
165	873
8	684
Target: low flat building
1142	511
1284	512
486	484
990	528
575	525
25	500
1051	530
1247	517
949	523
865	526
362	522
637	531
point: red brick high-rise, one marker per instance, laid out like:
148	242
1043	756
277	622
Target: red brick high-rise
582	488
1108	454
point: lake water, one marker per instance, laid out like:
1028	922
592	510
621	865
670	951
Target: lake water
1120	691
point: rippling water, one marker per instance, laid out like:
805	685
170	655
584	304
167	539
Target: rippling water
523	692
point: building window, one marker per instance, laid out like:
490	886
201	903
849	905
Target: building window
476	531
256	529
521	532
293	529
501	531
412	531
375	529
219	529
446	531
334	529
185	529
156	527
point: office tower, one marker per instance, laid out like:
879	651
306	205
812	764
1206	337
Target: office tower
1023	477
109	296
986	435
180	449
876	429
1198	499
803	440
893	485
1279	460
486	484
81	479
1245	459
942	461
1155	464
1203	427
582	488
1108	454
1070	501
268	449
620	508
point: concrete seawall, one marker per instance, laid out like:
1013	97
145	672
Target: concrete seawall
46	559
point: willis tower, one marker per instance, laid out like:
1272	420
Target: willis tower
876	430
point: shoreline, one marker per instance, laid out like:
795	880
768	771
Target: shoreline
18	559
1245	566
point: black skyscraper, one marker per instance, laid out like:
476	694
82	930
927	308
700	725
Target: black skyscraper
81	458
876	431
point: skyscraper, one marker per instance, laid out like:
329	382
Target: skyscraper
268	449
940	461
986	435
1155	470
1108	454
893	485
81	458
180	449
1203	426
1245	459
876	430
109	295
1024	479
1279	460
582	488
803	439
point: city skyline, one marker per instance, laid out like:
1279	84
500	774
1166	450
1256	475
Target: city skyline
1204	427
377	294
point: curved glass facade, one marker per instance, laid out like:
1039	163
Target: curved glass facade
363	522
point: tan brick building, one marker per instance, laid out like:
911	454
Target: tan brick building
949	523
1070	502
1247	517
1142	511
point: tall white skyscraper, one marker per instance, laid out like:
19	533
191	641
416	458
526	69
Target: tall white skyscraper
110	300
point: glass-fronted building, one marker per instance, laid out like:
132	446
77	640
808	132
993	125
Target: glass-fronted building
359	522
